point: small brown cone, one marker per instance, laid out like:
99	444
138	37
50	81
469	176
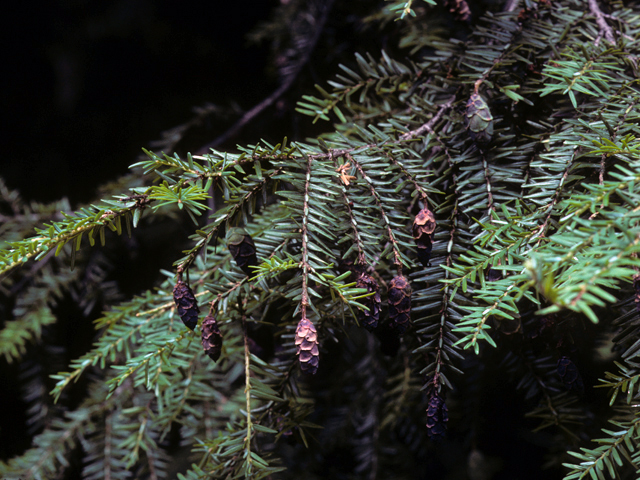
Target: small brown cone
437	418
307	346
399	304
479	120
186	303
211	338
423	227
369	319
242	249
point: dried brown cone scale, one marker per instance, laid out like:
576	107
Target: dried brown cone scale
211	337
242	249
186	304
307	346
423	227
369	318
399	297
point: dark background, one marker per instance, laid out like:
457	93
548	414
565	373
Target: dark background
87	84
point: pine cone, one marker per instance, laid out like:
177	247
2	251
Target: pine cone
307	345
399	304
211	338
437	418
636	286
369	319
479	119
423	227
187	306
242	249
570	375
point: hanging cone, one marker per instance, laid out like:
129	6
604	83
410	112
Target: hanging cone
187	306
369	318
423	227
242	249
479	120
570	375
211	338
399	304
307	346
437	418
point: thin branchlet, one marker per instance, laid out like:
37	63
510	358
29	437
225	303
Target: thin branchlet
354	224
397	259
304	260
247	387
605	30
233	211
487	176
423	193
444	309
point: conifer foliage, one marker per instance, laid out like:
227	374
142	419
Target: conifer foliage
473	203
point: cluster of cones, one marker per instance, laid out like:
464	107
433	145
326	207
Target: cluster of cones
188	311
243	250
